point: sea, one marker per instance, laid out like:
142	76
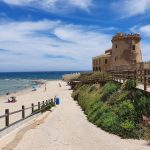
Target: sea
15	81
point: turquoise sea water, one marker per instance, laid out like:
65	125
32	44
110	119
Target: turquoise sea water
13	82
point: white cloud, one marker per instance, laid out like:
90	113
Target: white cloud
145	50
128	8
84	4
17	2
143	30
52	5
26	44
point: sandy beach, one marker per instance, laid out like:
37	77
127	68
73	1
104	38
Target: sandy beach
65	128
26	97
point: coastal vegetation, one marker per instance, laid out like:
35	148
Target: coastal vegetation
116	108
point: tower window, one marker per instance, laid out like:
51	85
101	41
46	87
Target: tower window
105	61
116	58
133	47
134	61
116	45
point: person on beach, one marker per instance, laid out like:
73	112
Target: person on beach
45	87
7	93
59	85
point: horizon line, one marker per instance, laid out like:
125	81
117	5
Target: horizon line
45	71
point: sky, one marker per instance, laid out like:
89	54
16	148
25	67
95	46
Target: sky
61	35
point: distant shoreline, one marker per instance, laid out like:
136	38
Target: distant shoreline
18	92
14	82
24	90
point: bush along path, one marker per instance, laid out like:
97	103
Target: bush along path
118	109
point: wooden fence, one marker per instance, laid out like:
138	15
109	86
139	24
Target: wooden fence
140	76
40	107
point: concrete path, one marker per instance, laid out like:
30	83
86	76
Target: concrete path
66	128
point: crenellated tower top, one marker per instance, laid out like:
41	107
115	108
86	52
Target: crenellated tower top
126	37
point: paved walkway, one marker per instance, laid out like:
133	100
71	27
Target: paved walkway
66	128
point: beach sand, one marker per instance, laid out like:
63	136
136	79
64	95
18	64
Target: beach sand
26	97
65	128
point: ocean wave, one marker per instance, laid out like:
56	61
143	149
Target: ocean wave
6	79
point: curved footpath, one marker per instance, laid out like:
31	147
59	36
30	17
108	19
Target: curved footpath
66	128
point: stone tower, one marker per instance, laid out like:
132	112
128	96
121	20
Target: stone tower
126	50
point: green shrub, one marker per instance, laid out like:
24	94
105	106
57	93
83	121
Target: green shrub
128	129
108	89
99	76
96	76
112	108
128	85
109	121
126	111
118	97
144	104
93	88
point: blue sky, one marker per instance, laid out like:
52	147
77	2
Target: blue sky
47	35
